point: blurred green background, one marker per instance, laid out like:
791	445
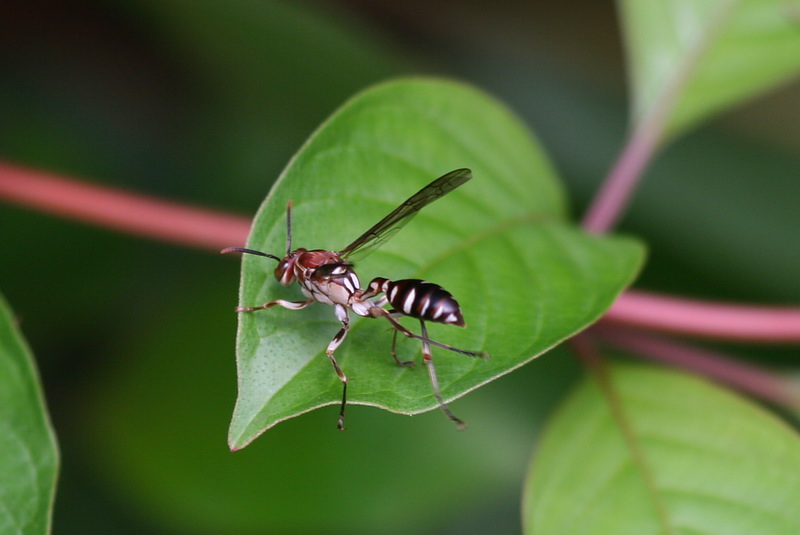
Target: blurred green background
204	102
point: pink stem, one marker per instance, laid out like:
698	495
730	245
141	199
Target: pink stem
646	310
179	224
764	384
615	192
137	214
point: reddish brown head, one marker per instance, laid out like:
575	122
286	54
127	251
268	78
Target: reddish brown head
285	270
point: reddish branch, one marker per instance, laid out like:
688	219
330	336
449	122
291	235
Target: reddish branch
121	210
183	225
764	384
615	192
706	319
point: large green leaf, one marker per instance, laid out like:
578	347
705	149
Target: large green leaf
28	453
525	278
663	453
690	58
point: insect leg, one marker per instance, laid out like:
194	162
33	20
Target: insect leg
291	305
409	363
341	315
428	360
376	312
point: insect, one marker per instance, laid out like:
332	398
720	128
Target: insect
328	277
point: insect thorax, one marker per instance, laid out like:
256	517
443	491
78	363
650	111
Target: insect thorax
325	277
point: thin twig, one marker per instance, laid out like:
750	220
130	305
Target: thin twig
723	368
650	129
706	319
121	210
616	191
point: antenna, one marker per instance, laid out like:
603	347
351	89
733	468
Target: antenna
248	251
289	227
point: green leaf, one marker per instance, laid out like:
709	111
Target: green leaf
28	452
525	278
665	453
691	58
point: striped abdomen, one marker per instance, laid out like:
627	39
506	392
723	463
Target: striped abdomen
423	300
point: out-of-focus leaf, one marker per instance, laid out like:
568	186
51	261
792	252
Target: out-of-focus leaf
690	58
525	278
28	452
666	453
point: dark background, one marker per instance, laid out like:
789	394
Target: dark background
204	102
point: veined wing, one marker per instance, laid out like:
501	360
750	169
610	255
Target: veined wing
389	225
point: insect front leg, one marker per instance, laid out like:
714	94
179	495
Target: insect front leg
428	360
291	305
341	315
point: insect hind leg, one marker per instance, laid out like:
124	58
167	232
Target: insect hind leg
427	359
380	312
404	363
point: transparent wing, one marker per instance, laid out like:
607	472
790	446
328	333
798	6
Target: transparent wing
389	225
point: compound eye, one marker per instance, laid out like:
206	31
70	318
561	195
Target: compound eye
284	272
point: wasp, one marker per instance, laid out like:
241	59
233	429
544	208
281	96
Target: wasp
329	277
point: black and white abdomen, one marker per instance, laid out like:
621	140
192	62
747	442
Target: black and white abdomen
423	300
